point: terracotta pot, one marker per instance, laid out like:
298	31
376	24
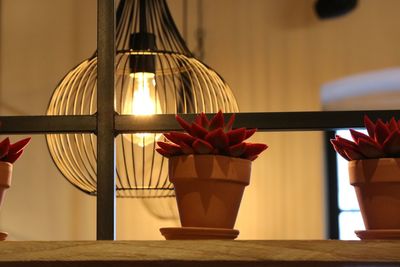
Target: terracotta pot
377	185
5	178
209	188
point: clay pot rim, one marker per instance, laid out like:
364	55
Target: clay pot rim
386	159
211	155
6	163
378	170
191	159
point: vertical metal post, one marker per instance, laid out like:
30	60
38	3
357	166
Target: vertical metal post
105	120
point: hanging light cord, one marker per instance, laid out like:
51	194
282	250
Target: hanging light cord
185	19
200	31
199	51
142	17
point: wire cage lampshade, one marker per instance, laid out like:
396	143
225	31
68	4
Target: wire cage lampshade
155	74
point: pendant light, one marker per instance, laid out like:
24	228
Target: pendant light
155	74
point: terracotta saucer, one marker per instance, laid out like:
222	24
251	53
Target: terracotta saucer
378	234
3	236
194	233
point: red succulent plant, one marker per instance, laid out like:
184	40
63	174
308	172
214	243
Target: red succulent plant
11	152
382	141
205	136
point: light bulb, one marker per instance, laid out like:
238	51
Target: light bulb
144	102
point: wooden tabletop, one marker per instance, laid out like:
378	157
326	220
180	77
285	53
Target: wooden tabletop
200	253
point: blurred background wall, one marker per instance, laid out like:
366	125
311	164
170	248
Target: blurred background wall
275	55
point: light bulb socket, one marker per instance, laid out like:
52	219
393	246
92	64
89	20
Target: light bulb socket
143	42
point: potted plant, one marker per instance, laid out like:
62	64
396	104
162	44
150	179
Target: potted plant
9	153
374	171
209	166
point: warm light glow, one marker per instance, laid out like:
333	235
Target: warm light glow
144	102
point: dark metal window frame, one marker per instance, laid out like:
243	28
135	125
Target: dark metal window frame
106	124
331	190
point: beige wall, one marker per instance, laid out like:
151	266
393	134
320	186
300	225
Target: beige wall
275	55
41	40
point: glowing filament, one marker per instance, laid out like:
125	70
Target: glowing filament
144	102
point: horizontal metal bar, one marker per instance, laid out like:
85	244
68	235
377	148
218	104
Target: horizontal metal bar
47	124
266	121
310	121
153	123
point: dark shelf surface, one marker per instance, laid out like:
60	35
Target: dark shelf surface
200	253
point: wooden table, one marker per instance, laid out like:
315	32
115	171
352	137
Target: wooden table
200	253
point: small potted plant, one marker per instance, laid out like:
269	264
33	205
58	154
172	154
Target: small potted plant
9	153
209	166
374	171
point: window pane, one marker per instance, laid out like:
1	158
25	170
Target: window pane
347	196
349	221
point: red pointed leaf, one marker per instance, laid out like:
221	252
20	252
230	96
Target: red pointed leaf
17	146
11	158
184	124
5	140
163	152
392	144
169	138
249	133
254	149
197	119
369	148
393	125
4	147
344	143
218	139
338	149
229	124
186	149
236	136
204	121
202	147
349	148
198	130
370	126
216	151
357	135
352	154
178	138
170	147
217	121
237	150
381	132
252	158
